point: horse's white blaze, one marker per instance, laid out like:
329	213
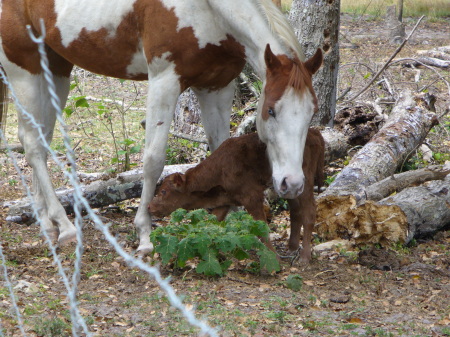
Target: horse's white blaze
138	63
197	14
75	15
285	136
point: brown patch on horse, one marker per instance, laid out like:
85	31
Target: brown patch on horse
213	66
283	72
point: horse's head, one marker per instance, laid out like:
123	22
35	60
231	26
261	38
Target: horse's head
286	107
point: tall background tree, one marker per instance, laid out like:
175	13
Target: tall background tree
316	23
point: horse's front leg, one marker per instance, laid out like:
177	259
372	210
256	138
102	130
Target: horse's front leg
216	110
163	92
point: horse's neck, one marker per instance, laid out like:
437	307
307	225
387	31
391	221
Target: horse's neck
249	27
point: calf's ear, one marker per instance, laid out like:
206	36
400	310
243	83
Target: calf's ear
179	181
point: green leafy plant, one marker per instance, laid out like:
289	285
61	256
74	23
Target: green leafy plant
51	327
112	118
199	235
294	282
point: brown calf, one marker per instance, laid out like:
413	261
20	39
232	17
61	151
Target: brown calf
236	174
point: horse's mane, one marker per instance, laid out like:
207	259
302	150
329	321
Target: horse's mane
280	25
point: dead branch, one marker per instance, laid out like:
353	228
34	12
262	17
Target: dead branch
388	61
424	65
400	181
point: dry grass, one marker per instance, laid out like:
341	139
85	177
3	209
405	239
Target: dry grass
432	9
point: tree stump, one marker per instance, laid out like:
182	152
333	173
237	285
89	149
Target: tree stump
395	28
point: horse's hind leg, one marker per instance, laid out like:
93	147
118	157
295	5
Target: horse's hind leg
32	93
216	111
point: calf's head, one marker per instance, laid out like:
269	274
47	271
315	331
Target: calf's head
170	196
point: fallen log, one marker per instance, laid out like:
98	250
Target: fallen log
400	181
344	209
405	129
412	213
100	193
12	147
432	61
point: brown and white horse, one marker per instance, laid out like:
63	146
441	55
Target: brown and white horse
202	44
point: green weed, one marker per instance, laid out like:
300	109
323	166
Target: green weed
198	235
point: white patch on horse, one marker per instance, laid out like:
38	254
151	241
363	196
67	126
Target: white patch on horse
75	15
285	135
198	15
138	64
160	65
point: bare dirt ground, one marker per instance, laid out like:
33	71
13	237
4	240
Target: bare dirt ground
364	291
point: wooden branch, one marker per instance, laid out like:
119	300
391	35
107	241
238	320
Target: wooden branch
423	64
398	182
388	61
12	147
433	62
100	193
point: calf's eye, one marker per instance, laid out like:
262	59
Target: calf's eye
271	112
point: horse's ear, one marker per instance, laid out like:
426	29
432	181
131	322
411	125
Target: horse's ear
314	63
272	61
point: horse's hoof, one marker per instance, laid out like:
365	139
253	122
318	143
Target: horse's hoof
51	233
144	249
67	237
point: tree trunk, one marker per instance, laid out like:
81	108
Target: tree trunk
412	213
316	23
400	10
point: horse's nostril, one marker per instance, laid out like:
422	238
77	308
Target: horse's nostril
284	185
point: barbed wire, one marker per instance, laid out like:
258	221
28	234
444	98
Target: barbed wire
79	203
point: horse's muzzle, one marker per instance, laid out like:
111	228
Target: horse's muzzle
290	187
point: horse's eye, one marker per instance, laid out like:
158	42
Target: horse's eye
163	192
271	112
